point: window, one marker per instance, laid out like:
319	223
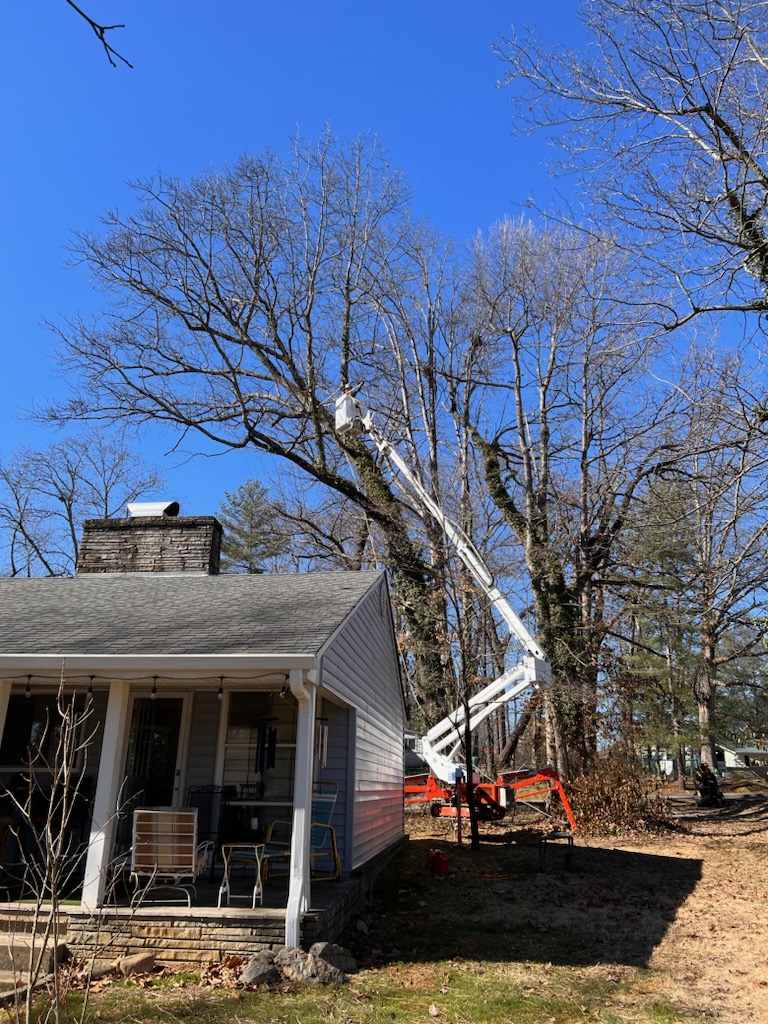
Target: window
261	746
32	727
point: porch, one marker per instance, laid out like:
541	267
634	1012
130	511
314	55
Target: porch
181	935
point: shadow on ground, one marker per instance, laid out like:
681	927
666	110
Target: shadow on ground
609	905
747	809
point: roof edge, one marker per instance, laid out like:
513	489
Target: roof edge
154	664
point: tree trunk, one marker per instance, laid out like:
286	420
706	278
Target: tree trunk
705	690
510	747
470	783
705	700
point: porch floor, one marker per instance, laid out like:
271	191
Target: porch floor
203	932
206	897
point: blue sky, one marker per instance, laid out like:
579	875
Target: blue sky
211	81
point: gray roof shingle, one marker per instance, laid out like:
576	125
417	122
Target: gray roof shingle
156	613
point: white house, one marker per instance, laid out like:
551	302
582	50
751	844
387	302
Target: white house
254	686
752	755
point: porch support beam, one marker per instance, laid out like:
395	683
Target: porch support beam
108	785
299	879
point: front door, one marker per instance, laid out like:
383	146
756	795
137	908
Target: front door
152	771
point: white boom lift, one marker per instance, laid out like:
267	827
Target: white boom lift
442	742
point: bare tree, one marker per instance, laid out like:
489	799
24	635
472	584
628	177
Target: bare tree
729	525
243	300
48	805
45	494
563	416
663	115
695	557
328	532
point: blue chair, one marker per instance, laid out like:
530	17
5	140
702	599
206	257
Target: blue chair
324	860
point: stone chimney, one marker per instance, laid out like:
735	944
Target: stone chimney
153	538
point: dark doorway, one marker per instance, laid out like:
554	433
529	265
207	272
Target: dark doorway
153	745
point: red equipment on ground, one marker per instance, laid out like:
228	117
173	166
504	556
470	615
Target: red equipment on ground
492	799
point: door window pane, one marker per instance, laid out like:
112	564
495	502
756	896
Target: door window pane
152	750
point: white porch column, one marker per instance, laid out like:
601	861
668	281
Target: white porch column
298	885
107	789
5	695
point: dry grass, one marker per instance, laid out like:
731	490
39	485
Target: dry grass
647	928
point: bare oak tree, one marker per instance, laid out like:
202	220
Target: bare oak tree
243	300
570	421
728	521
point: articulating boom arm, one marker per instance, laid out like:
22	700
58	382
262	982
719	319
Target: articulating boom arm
465	549
350	419
441	743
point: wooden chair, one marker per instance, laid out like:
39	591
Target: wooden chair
324	860
165	853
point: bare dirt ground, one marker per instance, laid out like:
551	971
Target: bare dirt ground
715	951
681	913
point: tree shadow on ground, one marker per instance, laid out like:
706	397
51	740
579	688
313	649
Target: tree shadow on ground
496	903
747	810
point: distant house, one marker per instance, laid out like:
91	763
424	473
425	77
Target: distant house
247	687
414	762
752	754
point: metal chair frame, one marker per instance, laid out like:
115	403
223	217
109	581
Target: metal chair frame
165	853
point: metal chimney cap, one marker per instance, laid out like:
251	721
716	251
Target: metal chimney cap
152	508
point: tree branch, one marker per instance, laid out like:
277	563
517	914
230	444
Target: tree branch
101	34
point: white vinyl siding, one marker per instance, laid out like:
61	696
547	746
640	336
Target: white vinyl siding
360	666
336	770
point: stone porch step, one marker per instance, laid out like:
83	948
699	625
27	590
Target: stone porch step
14	956
7	981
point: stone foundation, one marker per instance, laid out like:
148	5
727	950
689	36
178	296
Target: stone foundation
173	940
198	935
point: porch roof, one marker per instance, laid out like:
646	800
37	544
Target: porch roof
140	614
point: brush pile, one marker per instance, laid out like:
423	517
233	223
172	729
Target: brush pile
618	799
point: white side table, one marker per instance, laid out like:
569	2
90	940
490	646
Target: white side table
241	853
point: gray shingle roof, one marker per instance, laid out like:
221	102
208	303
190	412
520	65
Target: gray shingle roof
156	613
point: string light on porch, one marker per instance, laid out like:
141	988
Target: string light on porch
90	688
28	691
153	695
78	679
220	694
